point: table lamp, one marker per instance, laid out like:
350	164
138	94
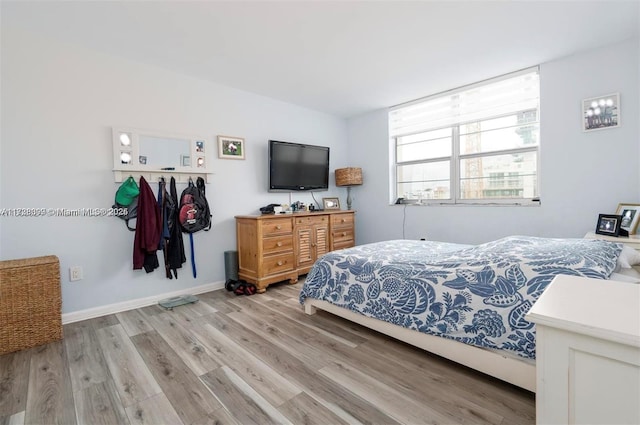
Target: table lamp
350	176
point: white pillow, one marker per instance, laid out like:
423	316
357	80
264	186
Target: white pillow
623	277
630	272
628	258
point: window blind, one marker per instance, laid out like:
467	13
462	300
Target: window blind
499	96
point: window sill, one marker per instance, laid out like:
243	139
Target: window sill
521	203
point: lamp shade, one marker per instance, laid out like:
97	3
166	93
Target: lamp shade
351	176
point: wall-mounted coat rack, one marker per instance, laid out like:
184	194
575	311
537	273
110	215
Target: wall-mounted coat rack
154	155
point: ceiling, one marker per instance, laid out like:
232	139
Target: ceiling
344	58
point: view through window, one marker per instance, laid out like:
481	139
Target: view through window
476	144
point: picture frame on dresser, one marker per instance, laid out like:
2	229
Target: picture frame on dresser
608	224
331	203
630	214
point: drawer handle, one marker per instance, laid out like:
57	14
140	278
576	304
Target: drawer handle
278	227
279	244
344	233
280	263
344	221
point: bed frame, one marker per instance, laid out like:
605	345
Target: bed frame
509	369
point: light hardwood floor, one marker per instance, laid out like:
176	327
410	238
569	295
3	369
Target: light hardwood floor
244	360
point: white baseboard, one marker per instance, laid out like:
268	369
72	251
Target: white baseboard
90	313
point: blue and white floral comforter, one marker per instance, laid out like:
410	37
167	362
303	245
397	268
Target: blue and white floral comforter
477	295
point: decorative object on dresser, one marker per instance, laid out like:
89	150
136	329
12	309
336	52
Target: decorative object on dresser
351	176
588	362
630	217
274	248
608	224
331	203
230	147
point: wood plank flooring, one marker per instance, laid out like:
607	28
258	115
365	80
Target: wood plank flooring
244	360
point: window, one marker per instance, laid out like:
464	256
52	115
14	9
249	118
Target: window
477	144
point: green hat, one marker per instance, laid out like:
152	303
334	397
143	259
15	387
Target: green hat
127	192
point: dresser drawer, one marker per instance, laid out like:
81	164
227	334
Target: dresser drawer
277	226
342	220
278	263
274	244
312	220
343	244
342	235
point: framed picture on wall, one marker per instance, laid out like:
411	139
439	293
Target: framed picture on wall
602	112
608	224
185	161
230	147
630	214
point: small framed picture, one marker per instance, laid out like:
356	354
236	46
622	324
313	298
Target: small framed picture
630	214
331	203
608	224
230	147
602	112
185	160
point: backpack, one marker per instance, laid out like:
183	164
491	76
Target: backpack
194	212
127	199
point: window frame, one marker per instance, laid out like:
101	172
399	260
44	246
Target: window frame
456	158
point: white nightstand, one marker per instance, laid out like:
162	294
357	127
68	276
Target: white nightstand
587	352
633	241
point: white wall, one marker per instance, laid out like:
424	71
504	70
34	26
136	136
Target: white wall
582	174
59	103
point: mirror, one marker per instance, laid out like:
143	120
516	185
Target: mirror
161	152
154	152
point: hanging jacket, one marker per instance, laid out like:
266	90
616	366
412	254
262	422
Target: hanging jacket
164	203
175	250
148	230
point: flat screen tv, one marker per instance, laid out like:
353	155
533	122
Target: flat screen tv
295	166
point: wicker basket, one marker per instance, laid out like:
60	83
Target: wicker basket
30	303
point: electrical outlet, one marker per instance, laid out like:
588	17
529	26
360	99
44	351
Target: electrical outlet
75	273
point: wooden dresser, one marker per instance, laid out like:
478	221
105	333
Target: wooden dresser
277	247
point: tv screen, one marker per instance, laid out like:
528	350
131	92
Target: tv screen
295	166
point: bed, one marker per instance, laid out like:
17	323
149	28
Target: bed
465	303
